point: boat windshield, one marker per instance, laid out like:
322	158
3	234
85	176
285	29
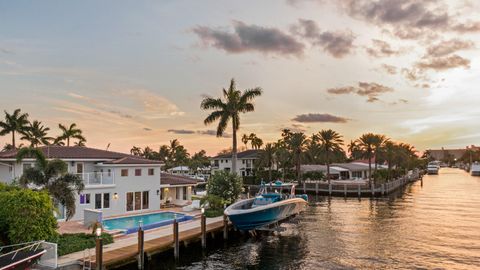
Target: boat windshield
266	198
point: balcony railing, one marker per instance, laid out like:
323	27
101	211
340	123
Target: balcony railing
97	178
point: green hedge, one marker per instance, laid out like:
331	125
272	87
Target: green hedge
69	243
211	213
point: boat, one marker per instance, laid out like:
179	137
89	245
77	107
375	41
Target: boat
22	256
433	167
267	208
475	169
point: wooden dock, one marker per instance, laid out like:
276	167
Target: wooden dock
129	254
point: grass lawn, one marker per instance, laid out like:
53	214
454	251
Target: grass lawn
69	243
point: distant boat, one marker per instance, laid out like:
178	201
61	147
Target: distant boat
267	208
433	167
475	169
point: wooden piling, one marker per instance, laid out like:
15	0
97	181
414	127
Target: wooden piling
345	189
225	227
359	191
316	187
176	242
99	253
204	230
141	252
330	189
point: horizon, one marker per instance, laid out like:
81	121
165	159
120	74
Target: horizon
135	74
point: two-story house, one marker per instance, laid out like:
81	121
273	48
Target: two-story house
245	162
115	183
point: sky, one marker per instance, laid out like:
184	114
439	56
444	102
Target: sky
134	72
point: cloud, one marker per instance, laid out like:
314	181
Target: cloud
319	118
381	48
211	132
147	129
181	131
467	27
443	63
370	90
389	69
153	106
338	43
247	38
447	47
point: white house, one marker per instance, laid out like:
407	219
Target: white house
115	183
342	171
245	162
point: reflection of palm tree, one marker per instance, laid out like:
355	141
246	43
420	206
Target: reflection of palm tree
15	122
331	142
234	102
71	132
37	134
52	175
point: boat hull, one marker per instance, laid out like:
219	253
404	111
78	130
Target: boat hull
255	218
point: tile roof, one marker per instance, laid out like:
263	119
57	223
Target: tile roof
174	180
132	160
252	153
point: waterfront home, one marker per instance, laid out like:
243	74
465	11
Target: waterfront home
245	162
179	170
341	171
201	173
115	183
176	189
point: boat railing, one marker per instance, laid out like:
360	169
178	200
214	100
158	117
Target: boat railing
10	256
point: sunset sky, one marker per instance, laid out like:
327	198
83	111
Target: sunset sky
134	72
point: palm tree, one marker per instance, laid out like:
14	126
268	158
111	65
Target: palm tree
37	134
52	176
81	143
366	144
296	143
72	132
257	143
245	140
380	141
234	102
390	151
136	151
16	122
267	158
331	142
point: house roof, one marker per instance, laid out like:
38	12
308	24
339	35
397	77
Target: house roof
354	167
132	160
179	168
80	152
176	180
252	153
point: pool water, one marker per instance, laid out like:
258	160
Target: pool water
130	224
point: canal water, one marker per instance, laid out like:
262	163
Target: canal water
431	226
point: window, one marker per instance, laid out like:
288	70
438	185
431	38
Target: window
145	199
178	193
124	172
85	198
151	171
221	161
216	163
138	172
243	161
185	193
109	172
129	201
106	200
79	167
98	200
138	200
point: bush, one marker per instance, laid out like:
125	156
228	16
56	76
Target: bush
214	202
211	213
69	243
313	175
26	215
225	185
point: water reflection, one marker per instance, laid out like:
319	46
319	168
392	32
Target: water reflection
436	225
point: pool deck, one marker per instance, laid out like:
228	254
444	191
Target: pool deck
124	249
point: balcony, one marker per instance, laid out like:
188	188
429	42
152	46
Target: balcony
97	178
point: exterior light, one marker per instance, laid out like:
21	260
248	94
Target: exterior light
166	189
203	210
115	195
158	192
98	232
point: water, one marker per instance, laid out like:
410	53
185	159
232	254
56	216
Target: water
436	226
125	223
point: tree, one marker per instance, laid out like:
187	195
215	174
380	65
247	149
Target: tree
36	134
51	175
296	143
331	141
233	104
225	185
245	139
71	132
379	141
199	160
136	151
366	144
81	143
267	158
16	122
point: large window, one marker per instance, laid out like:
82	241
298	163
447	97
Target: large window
106	200
79	167
98	200
145	199
85	198
137	200
185	193
151	171
124	172
138	172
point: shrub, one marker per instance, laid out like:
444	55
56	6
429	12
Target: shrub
26	215
225	185
214	202
313	175
69	243
211	213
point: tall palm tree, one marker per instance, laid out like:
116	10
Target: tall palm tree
17	122
267	158
366	144
380	141
37	134
245	139
52	175
331	142
234	103
296	143
81	142
71	132
136	151
390	151
257	143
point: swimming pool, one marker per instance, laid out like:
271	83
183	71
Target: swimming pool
149	221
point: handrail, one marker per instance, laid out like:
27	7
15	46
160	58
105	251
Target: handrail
15	252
